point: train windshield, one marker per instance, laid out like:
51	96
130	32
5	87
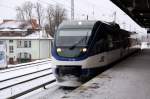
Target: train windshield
73	37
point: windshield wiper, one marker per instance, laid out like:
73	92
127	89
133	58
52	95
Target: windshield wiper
80	41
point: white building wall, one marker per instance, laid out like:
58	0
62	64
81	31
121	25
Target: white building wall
8	54
39	49
23	49
35	49
45	49
14	54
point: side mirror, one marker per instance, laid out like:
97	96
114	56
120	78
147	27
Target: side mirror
148	31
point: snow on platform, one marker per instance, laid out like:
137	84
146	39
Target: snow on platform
129	79
52	92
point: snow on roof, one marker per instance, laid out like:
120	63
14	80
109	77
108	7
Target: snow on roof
10	24
35	35
39	34
15	24
19	30
1	21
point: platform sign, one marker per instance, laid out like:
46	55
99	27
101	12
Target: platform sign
3	60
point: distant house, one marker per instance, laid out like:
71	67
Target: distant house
24	41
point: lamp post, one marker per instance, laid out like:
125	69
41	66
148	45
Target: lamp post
72	9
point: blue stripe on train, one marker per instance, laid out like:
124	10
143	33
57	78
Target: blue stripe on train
55	55
92	71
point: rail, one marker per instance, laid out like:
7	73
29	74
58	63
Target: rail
24	81
30	90
23	66
12	83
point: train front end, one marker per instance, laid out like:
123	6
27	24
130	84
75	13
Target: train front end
70	53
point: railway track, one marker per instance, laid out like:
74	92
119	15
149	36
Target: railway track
15	83
23	66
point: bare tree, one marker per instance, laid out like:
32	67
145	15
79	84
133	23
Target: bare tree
50	15
59	15
40	13
28	9
20	13
55	15
25	12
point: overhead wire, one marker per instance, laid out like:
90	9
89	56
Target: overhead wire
67	7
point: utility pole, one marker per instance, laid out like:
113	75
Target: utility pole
130	27
93	12
72	9
124	25
114	14
87	17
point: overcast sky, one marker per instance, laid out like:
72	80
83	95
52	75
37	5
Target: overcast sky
95	9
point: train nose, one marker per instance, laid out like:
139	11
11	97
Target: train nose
68	70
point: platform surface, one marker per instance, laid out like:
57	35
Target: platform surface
129	79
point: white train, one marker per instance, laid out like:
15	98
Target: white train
3	61
82	48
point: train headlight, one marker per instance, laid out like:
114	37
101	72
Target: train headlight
80	23
58	49
84	49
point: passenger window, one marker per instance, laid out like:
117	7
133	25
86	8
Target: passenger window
99	46
110	42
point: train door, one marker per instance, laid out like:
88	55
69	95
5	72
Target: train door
113	48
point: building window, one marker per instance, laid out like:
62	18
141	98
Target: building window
11	49
1	42
25	44
25	55
10	41
20	55
29	43
19	44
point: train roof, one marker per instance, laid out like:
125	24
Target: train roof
76	24
80	24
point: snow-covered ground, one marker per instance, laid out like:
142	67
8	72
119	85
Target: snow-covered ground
48	59
23	87
27	85
10	74
52	92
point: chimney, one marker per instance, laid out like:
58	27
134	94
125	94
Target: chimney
34	24
1	21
